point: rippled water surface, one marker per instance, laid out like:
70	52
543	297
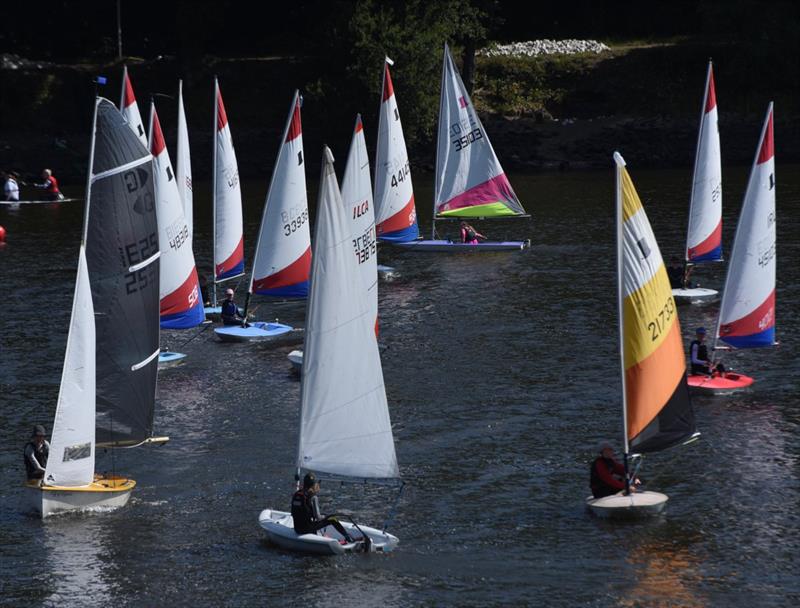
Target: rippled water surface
502	374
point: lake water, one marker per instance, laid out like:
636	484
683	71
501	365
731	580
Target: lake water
502	375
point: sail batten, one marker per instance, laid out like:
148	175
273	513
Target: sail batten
345	428
657	409
282	261
704	232
747	311
469	179
121	233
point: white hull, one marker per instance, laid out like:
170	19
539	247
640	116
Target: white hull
280	531
296	359
694	295
42	202
634	505
101	495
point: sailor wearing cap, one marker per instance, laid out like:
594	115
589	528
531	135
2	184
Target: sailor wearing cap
306	516
36	452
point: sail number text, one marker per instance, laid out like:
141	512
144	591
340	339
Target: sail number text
364	245
293	221
135	253
662	319
401	175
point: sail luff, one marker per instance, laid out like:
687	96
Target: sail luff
214	194
183	163
72	449
747	311
619	163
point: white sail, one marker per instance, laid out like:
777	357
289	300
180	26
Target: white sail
130	109
71	460
357	198
228	226
183	165
283	253
179	289
344	422
704	234
747	310
395	211
469	179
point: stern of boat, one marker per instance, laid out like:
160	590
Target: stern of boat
105	493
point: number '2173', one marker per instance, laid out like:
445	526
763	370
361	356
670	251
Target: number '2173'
659	323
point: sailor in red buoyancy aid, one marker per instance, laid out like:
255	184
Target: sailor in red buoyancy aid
50	186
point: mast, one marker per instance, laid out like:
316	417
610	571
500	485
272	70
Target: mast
620	163
437	176
122	90
85	229
214	197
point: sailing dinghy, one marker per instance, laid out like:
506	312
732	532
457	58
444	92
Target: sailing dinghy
357	200
228	230
470	183
345	430
181	304
656	409
130	109
282	261
704	233
107	393
747	311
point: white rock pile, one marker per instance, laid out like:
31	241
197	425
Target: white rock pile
532	48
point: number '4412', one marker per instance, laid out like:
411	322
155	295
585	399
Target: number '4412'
400	176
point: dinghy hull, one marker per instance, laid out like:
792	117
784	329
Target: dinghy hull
213	313
719	385
103	494
450	246
280	532
258	331
168	359
634	505
694	295
296	359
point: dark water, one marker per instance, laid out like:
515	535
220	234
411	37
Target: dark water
502	375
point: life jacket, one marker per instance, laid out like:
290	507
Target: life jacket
302	512
469	235
52	185
229	309
41	457
594	479
702	350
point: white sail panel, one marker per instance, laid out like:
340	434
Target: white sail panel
183	166
283	253
179	289
357	199
71	460
704	238
395	211
747	311
344	426
130	109
469	179
228	227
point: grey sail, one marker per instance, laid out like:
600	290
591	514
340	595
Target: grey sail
122	254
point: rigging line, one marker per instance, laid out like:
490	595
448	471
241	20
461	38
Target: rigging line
392	511
205	327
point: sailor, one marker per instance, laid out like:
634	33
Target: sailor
230	312
675	272
469	234
50	186
305	510
36	452
608	475
698	356
10	187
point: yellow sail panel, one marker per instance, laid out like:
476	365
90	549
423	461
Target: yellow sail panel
649	314
630	198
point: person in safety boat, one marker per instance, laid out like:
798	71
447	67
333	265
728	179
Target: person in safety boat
230	312
698	356
608	475
469	234
305	510
36	452
50	186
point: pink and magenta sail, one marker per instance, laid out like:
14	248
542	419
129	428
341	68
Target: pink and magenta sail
747	311
228	227
395	212
704	234
179	289
282	261
469	179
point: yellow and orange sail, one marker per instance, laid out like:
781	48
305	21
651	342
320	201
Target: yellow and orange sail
658	412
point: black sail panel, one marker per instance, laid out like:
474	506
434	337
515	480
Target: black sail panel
122	235
674	424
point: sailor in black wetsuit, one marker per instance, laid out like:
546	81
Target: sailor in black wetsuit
305	510
36	452
230	312
698	356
